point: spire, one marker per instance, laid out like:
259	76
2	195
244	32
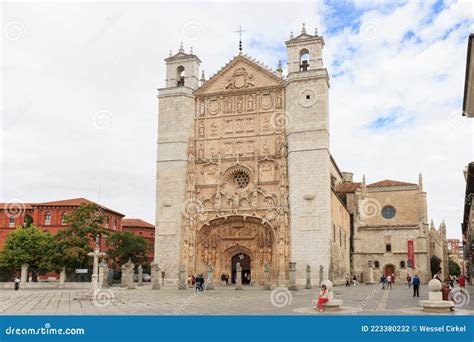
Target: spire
171	53
432	225
191	50
203	78
279	70
316	31
420	182
181	48
303	29
291	35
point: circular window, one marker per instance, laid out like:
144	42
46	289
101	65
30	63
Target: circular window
241	179
388	212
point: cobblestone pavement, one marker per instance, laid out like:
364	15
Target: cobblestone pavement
361	299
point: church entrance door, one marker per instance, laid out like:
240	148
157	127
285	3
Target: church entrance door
390	271
244	261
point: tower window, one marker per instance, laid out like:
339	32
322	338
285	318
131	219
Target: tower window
402	264
180	76
388	247
304	60
388	212
308	97
376	264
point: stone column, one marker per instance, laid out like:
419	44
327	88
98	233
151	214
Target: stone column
62	276
24	274
209	286
308	277
370	278
238	278
182	278
155	276
292	275
130	269
123	277
266	277
140	275
321	274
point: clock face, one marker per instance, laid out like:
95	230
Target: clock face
307	98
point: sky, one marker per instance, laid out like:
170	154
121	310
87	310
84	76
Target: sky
79	86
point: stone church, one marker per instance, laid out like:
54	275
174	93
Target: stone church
244	169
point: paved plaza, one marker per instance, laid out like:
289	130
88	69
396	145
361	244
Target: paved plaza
361	300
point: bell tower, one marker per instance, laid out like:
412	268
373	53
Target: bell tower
175	127
309	159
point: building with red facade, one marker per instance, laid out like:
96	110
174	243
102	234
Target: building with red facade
141	228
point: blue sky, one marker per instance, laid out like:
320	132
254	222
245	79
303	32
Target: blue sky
396	69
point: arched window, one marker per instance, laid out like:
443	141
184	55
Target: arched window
47	218
106	222
115	224
304	60
376	264
180	73
11	221
402	264
28	221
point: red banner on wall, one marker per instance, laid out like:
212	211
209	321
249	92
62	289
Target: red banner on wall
411	254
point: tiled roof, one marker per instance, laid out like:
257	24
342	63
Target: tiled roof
388	183
131	222
73	202
347	187
14	206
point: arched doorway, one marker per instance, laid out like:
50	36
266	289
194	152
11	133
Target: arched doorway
389	270
244	261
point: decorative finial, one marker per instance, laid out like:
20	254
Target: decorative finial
316	31
291	35
191	50
203	77
181	48
364	187
303	30
171	53
420	182
432	224
239	31
279	70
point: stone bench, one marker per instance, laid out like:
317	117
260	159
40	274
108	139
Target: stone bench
436	306
333	304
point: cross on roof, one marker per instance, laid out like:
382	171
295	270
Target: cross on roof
239	31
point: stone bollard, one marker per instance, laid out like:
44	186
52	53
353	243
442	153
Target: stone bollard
140	275
238	278
435	302
24	274
308	277
182	278
155	276
209	285
123	276
292	276
266	277
62	277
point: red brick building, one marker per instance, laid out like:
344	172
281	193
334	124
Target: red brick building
141	228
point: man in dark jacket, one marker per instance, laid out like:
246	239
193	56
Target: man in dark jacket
199	283
416	286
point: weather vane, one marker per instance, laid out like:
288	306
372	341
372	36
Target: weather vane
239	31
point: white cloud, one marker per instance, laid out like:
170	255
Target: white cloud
74	60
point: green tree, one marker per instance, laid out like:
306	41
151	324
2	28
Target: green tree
125	245
454	268
435	265
70	246
26	245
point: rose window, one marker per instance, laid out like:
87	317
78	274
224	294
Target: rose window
241	179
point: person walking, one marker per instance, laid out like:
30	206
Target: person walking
199	283
416	286
323	298
409	281
226	279
354	280
389	282
462	283
382	281
348	280
17	283
223	283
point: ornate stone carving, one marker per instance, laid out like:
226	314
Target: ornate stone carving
240	79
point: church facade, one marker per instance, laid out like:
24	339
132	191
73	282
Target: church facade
244	170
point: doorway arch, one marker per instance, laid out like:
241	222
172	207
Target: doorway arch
389	269
245	264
